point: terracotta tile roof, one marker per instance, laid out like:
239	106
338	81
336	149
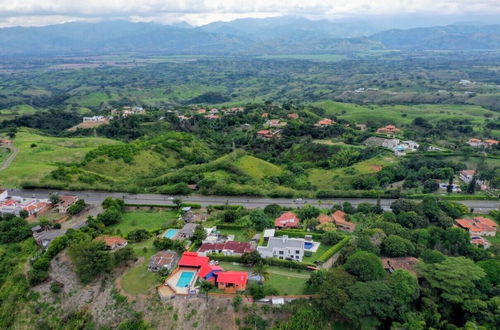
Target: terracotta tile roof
468	172
477	225
486	221
324	122
474	140
324	218
287	220
239	278
67	200
111	240
490	142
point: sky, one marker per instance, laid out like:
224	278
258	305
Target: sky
200	12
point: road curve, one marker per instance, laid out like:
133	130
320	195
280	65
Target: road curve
13	153
96	197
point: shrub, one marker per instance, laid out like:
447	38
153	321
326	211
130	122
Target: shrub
334	249
138	235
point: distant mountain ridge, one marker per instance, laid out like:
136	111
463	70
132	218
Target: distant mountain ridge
282	35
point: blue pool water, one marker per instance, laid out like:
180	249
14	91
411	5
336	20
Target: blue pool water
170	233
185	279
308	245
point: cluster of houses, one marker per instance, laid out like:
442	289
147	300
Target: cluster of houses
478	227
32	206
96	119
128	110
400	148
468	175
388	130
478	143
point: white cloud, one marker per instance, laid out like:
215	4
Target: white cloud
40	12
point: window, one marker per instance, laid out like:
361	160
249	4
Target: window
297	251
281	252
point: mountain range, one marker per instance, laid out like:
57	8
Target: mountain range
281	35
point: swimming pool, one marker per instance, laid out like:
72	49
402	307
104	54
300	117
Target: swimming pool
170	233
185	279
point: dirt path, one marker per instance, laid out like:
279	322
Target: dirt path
13	153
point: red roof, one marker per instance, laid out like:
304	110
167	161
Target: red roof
206	269
111	240
192	259
464	223
477	225
287	219
486	221
264	132
324	218
239	278
468	172
339	216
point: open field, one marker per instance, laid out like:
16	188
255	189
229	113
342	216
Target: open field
145	220
18	110
403	114
39	155
287	282
4	153
239	235
339	178
257	168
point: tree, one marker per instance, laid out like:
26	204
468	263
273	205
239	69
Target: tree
14	230
396	246
77	207
251	258
177	202
332	295
405	290
454	278
261	270
54	198
308	212
23	214
273	210
199	234
90	259
471	188
365	266
259	219
138	235
123	255
331	238
12	132
110	216
115	203
430	186
403	205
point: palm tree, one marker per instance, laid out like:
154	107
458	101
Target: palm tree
260	269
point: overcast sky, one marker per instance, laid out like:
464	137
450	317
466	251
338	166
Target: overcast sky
199	12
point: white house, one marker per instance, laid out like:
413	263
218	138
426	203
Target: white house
283	248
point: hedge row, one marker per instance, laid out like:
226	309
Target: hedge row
150	205
358	193
334	249
298	233
269	261
225	207
230	226
456	197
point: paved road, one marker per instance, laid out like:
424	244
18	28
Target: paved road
13	153
96	197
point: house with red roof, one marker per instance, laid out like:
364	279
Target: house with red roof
490	143
112	242
325	218
293	116
212	116
232	281
389	129
287	220
478	226
65	201
475	142
192	259
226	248
5	142
339	217
324	122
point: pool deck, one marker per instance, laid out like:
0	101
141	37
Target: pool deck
172	280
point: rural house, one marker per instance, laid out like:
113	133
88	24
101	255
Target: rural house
227	248
65	201
112	242
339	217
162	260
283	248
478	226
287	220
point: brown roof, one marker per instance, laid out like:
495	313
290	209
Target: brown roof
111	240
236	247
287	219
162	258
67	200
324	218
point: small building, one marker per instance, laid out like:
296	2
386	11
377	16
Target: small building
162	260
287	220
480	241
389	130
275	123
94	119
232	281
65	201
3	194
112	242
339	217
325	122
324	218
293	116
5	142
44	237
490	143
211	116
193	260
467	175
478	226
476	143
283	248
268	134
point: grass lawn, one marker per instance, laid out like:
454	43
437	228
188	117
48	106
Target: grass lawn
286	281
138	280
238	234
145	220
4	153
322	249
33	163
394	114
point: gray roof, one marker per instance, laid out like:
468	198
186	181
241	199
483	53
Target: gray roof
285	242
188	229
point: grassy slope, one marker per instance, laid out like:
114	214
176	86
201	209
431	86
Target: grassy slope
257	168
362	114
32	164
3	154
18	110
145	220
337	178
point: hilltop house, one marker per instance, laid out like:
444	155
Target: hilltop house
162	260
339	217
287	220
283	248
292	116
5	142
112	242
478	143
211	116
478	226
388	130
275	123
232	281
268	134
324	122
94	119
